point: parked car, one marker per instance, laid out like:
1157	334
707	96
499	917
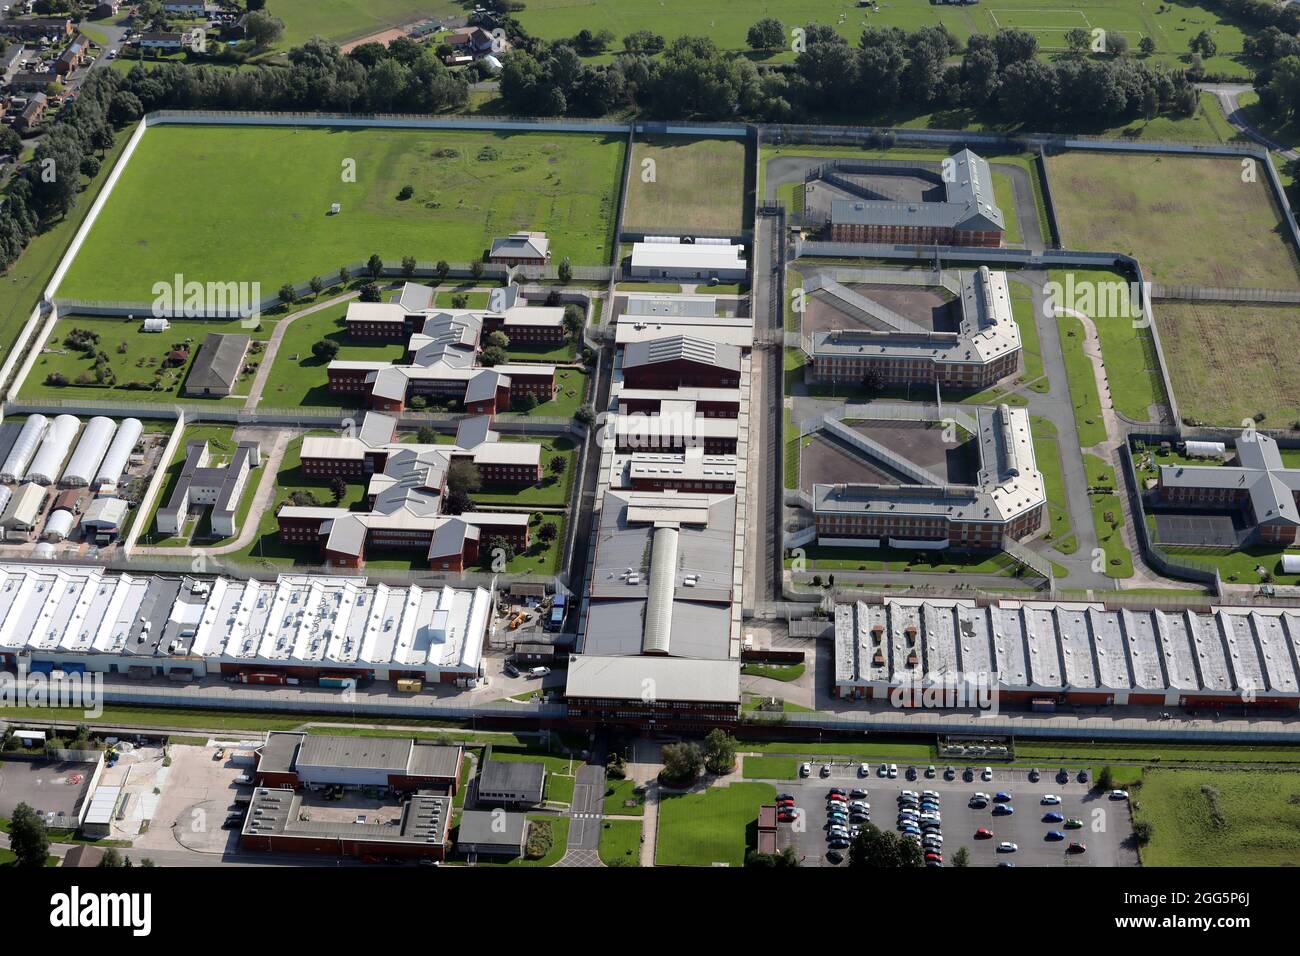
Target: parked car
1003	810
864	770
244	779
1073	824
929	772
804	769
1076	848
857	792
1002	797
987	774
1052	818
893	771
1034	776
950	773
835	857
1050	800
1119	794
836	791
1006	846
825	771
1054	835
219	754
983	833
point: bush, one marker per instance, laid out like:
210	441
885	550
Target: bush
406	193
540	839
57	379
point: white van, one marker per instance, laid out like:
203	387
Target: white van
538	671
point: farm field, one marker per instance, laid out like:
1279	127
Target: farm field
1189	220
134	357
468	188
1220	818
697	184
1127	349
726	21
1241	375
341	20
710	826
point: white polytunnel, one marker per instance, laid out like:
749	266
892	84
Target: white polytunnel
48	463
119	452
90	451
20	456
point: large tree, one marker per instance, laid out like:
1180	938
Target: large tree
719	752
682	762
874	847
27	837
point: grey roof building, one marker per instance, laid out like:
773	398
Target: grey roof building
968	206
491	833
202	484
1259	479
216	368
511	783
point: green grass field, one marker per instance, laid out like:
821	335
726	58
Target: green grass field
617	793
830	558
727	22
769	768
711	826
1127	349
140	362
1240	377
1220	818
1189	219
681	184
275	228
1108	518
1047	455
299	378
620	842
341	20
1082	381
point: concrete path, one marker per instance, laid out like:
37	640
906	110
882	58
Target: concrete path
273	346
1227	94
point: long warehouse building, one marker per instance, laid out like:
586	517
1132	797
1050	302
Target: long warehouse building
307	628
1071	652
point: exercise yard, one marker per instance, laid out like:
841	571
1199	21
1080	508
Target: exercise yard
694	184
253	204
1225	361
1190	220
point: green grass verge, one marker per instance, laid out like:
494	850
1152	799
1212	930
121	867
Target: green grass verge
769	768
712	826
617	794
620	842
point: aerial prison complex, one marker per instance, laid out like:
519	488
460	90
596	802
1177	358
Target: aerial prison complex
295	628
849	336
1077	653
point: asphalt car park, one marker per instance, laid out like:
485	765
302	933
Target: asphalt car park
1106	832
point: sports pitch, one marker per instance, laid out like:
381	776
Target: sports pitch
341	20
251	204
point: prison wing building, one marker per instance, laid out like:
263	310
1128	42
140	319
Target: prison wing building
984	348
968	215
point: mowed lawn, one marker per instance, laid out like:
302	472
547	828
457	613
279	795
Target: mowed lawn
680	184
1245	818
263	212
341	20
300	378
1226	362
1188	219
1127	349
712	826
